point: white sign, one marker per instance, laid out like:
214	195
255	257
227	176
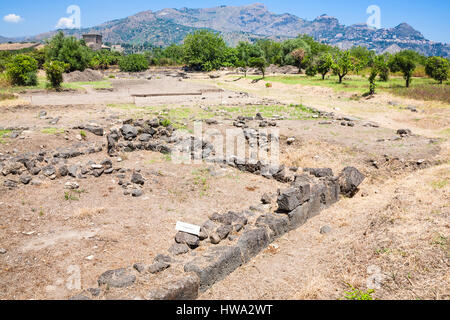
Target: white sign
188	228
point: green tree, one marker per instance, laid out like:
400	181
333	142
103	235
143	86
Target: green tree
244	52
22	70
316	48
133	63
362	57
416	57
54	71
342	64
437	68
324	64
175	53
68	50
403	63
259	63
271	51
204	50
229	57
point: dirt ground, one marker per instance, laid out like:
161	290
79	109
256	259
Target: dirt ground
396	228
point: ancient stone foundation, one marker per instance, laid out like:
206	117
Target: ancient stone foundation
232	239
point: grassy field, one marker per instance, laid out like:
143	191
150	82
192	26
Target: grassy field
105	84
180	115
421	88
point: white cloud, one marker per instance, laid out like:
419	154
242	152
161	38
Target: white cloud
12	18
66	23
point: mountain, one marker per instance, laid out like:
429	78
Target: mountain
254	22
254	19
5	40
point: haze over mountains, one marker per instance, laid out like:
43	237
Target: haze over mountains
254	22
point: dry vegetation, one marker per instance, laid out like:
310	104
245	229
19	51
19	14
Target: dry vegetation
396	228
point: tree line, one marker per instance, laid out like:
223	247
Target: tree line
204	50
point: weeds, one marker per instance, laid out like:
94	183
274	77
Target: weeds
2	134
439	184
201	180
7	96
440	240
356	294
69	197
166	123
52	131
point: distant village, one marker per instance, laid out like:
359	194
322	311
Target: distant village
93	41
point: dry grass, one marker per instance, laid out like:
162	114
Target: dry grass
407	239
316	154
398	233
427	92
313	290
87	213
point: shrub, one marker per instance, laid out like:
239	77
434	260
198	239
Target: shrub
133	63
380	63
356	294
39	56
437	68
4	80
268	85
100	61
165	123
54	71
311	71
5	57
22	70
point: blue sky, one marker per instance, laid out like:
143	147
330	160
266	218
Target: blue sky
36	16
